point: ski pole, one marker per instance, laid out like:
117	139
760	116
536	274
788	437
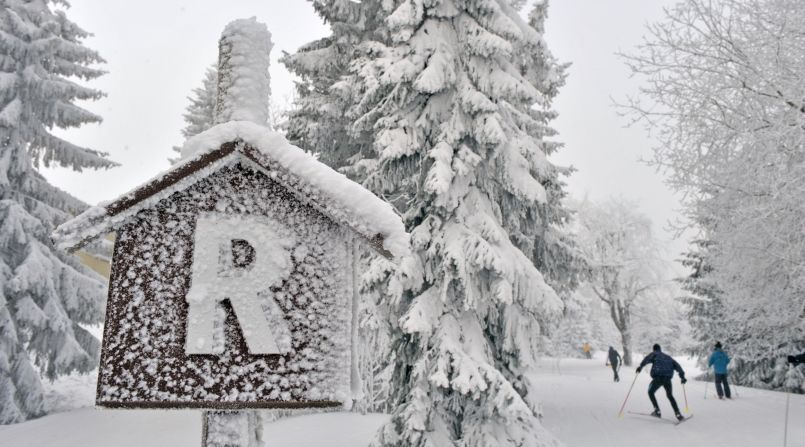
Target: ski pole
684	393
620	413
785	430
705	389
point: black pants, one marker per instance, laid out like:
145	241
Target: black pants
664	382
615	370
721	379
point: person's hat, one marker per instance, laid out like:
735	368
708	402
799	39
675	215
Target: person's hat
718	345
656	347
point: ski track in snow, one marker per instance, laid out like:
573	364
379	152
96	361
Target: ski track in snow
580	405
581	408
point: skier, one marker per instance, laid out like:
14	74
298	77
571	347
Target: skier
585	348
662	371
796	359
719	360
614	359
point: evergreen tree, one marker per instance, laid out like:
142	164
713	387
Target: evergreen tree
705	307
321	122
323	112
710	321
455	96
44	294
577	326
200	113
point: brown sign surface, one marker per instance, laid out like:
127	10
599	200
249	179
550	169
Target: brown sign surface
230	293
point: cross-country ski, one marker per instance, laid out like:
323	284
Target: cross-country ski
654	417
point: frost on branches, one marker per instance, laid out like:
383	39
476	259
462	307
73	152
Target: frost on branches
321	122
200	113
624	261
321	119
45	295
724	94
455	98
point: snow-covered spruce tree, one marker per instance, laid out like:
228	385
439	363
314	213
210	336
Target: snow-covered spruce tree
724	93
322	114
320	121
710	321
200	113
705	307
455	97
44	294
576	327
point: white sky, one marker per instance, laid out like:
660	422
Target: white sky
157	51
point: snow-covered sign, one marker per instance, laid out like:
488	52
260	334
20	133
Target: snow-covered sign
231	281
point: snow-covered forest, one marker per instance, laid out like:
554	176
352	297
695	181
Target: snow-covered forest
432	222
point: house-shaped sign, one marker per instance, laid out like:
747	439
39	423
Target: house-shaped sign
232	277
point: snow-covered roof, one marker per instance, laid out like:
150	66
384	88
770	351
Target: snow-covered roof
313	183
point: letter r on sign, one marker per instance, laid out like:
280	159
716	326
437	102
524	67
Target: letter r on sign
237	257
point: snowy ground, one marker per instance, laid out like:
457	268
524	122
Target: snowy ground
581	406
580	401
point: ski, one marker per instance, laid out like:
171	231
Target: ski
673	421
652	417
679	421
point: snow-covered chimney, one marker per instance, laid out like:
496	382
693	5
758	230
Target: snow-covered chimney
243	79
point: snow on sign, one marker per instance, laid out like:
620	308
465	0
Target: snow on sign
231	281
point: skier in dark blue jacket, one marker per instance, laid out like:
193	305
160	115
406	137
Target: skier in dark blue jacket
662	371
719	360
614	358
796	359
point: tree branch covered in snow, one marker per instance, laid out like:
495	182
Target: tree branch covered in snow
45	295
723	92
443	108
624	261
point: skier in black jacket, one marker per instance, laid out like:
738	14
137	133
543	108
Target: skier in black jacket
614	359
796	359
662	371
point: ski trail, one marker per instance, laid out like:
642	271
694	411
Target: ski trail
581	409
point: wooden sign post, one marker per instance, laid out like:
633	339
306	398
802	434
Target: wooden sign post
232	281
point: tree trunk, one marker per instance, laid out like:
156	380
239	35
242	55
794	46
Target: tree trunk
626	341
621	316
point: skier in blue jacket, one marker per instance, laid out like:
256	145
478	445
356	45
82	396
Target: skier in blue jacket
719	360
662	371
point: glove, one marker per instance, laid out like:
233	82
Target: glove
792	360
639	368
684	380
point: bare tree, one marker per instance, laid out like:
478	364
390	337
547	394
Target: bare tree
623	257
724	93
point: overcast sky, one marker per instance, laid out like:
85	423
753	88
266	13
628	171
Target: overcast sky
157	51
